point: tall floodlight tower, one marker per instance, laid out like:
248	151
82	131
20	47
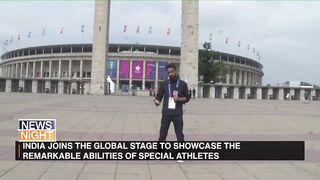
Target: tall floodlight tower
189	42
100	47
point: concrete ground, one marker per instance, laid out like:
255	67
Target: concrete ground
136	118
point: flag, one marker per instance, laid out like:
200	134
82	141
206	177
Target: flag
227	40
18	36
124	28
61	31
248	47
210	37
138	30
254	50
168	31
239	44
82	29
43	32
29	35
150	29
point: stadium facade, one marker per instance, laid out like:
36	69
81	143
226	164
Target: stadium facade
66	69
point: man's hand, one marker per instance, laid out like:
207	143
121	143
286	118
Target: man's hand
156	102
175	98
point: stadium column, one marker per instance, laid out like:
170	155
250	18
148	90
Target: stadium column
81	67
247	92
224	92
245	74
157	76
27	70
41	70
281	94
59	69
228	79
16	75
100	46
21	70
259	93
50	67
212	92
70	68
34	69
189	43
270	93
302	91
249	78
8	85
240	77
118	75
144	76
236	92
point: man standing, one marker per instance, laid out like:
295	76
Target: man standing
174	93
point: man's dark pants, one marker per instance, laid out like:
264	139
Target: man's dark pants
165	124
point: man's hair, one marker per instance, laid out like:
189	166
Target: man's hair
170	65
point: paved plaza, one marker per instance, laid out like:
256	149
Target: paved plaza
136	118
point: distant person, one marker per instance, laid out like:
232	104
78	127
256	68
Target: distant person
194	93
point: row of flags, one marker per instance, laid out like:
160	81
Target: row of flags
125	29
226	41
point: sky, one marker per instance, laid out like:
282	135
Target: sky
285	33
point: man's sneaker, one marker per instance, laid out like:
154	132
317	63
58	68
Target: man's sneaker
180	161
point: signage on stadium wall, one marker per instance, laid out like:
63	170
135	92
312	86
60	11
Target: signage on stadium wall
112	68
124	69
150	70
137	69
162	71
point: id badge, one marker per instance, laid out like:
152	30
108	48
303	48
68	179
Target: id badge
171	103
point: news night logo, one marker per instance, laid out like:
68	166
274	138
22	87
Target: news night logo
35	130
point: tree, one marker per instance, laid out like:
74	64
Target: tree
210	68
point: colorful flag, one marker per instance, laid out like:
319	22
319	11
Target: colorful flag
138	30
29	35
43	32
124	28
150	29
82	29
227	40
168	31
61	31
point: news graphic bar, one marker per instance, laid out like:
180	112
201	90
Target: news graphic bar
152	150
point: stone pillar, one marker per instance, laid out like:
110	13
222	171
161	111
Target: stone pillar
16	69
86	87
34	86
313	93
189	43
249	78
41	70
223	91
236	93
144	76
302	91
247	92
130	75
12	71
212	92
70	65
291	93
21	83
200	92
228	79
59	70
281	94
21	70
234	77
8	85
50	67
245	81
270	92
118	75
157	76
60	87
240	77
81	67
100	46
34	69
47	84
27	70
259	93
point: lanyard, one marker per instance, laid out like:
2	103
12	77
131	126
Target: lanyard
169	87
